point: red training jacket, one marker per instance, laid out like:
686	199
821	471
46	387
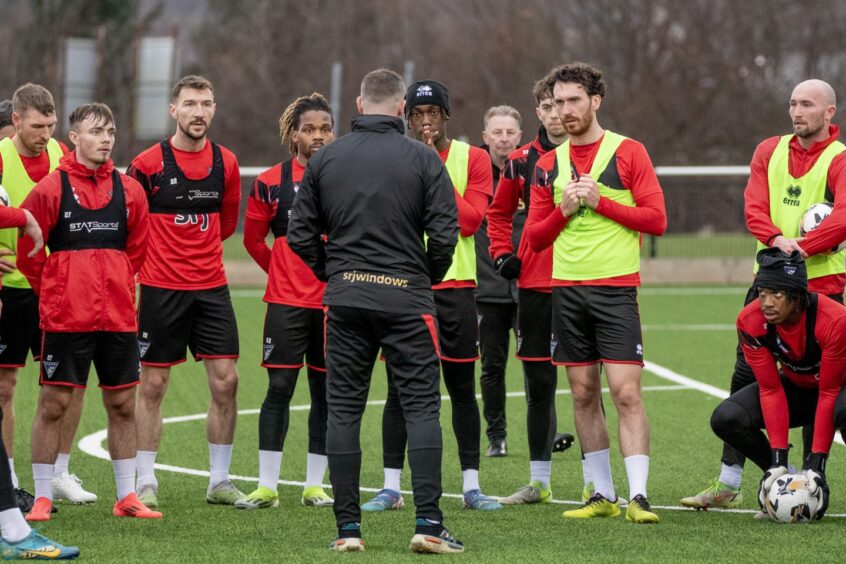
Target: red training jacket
830	333
92	289
536	269
289	280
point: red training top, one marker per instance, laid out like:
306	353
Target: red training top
545	220
186	252
91	289
830	333
536	269
289	280
472	206
820	240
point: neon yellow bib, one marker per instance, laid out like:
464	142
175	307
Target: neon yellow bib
18	184
592	246
464	260
791	197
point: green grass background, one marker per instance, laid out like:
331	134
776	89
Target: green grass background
684	458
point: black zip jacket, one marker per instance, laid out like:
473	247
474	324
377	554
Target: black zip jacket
374	193
490	286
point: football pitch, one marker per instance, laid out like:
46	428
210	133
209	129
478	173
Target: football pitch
689	343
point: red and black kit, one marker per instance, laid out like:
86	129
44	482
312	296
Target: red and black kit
510	203
800	370
95	226
194	199
293	326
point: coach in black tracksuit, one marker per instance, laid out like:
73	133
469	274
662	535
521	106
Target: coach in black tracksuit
374	193
496	302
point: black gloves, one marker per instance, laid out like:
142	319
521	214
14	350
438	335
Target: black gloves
508	266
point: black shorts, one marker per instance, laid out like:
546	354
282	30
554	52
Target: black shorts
66	359
19	327
593	324
291	333
171	320
534	325
458	324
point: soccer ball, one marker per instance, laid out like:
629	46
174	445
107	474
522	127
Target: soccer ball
4	196
815	215
790	501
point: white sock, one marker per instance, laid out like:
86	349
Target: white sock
392	479
637	470
599	463
220	456
145	465
15	483
316	465
124	476
61	465
270	461
731	475
42	475
539	471
471	480
586	473
13	526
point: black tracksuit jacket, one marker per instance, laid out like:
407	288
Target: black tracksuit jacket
374	192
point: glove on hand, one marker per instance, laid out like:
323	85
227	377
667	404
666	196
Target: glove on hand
508	266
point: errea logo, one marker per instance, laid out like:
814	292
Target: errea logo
424	90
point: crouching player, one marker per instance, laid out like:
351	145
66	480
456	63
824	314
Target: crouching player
293	326
795	343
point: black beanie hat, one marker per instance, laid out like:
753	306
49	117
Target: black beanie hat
426	92
779	271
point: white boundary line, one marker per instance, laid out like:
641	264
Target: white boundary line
93	444
690	327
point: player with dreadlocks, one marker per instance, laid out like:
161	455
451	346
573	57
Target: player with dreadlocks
293	326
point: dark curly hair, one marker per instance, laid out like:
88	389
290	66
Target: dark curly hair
579	73
290	120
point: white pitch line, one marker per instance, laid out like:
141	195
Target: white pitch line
690	327
682	291
93	444
668	374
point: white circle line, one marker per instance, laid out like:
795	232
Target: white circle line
92	445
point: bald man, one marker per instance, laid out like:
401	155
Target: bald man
788	174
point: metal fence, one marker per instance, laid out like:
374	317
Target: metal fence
704	211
